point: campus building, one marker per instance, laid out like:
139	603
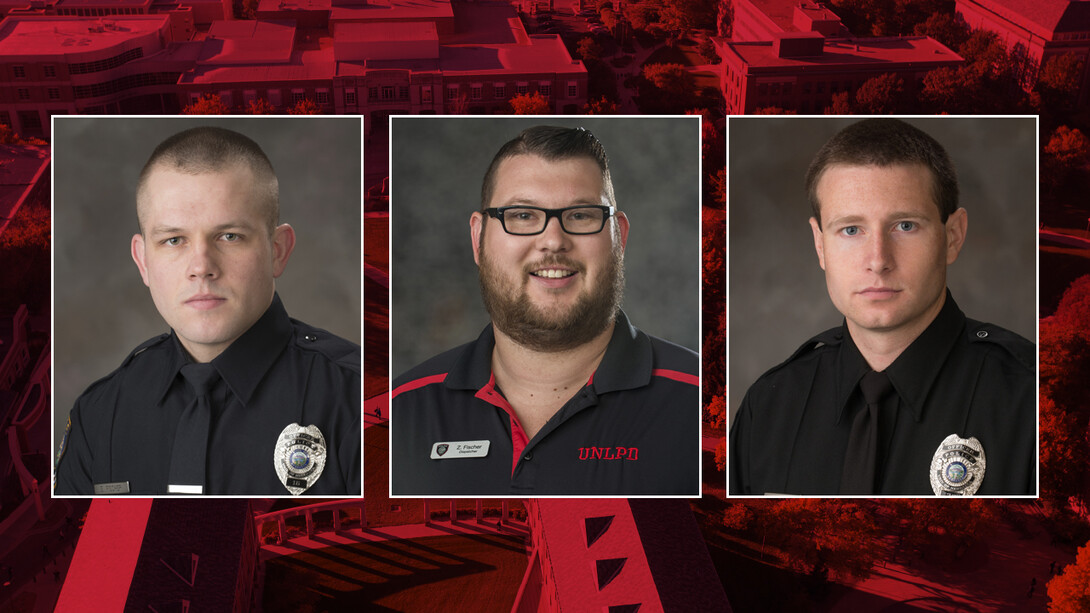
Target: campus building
141	554
1036	30
795	56
375	59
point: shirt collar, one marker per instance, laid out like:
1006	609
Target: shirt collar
627	363
914	372
244	363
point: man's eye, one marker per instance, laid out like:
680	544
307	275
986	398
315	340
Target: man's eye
173	241
906	226
850	230
231	237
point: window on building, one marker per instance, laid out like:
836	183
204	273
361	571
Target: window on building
350	97
425	93
475	91
775	89
322	96
452	92
19	71
402	92
30	122
546	89
821	87
387	92
298	95
226	98
573	89
806	87
54	93
499	90
275	98
522	88
49	70
23	93
372	93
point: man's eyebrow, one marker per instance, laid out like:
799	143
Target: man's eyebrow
520	200
855	219
231	225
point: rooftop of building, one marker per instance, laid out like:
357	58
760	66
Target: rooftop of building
1044	17
782	12
48	35
371	32
392	10
294	5
101	3
248	42
849	51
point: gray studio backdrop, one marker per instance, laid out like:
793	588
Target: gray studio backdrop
778	297
436	169
102	310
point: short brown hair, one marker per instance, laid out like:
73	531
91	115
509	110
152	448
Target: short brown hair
886	142
208	149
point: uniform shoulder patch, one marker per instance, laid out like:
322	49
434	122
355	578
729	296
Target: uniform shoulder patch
1017	346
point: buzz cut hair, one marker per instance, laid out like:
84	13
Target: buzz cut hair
884	143
551	143
210	149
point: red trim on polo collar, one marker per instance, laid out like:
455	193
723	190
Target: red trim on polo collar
519	439
683	377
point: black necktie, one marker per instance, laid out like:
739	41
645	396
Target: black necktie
857	475
188	458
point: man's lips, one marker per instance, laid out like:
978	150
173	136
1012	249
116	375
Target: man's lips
553	273
879	293
205	301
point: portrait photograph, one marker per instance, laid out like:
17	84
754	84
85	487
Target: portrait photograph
902	251
187	242
590	320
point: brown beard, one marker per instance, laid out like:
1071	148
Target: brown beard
535	328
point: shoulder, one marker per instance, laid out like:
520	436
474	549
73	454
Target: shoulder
433	369
1002	344
670	356
806	356
326	345
149	353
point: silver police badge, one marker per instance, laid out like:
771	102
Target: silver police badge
299	457
957	468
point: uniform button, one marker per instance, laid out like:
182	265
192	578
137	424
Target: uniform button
982	334
310	337
529	456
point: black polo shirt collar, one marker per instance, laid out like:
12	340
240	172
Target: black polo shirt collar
626	365
244	363
914	372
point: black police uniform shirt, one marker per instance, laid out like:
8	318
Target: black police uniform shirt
958	377
280	371
634	428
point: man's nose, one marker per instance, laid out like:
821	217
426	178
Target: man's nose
879	253
554	238
203	260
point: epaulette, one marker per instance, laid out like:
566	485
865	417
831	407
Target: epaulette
1020	348
343	352
141	348
832	336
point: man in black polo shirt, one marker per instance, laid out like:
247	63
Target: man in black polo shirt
238	398
908	396
561	394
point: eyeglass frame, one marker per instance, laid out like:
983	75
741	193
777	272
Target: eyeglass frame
497	213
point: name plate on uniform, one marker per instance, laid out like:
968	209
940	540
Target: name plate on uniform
112	489
459	449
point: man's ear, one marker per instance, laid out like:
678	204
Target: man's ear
957	225
283	243
819	242
136	248
476	229
622	227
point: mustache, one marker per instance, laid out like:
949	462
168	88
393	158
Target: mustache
555	260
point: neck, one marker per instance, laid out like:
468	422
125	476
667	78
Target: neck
880	348
538	383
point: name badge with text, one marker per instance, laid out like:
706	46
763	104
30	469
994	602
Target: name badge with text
459	449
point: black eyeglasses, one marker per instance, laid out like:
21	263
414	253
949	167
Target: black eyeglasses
530	220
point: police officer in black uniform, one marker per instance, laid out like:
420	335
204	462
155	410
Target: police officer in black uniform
908	396
238	398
